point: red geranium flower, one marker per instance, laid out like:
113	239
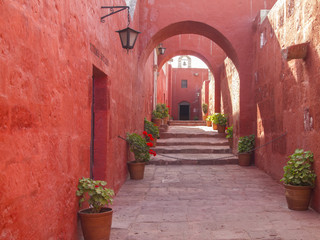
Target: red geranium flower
144	133
152	152
97	186
150	144
150	135
151	138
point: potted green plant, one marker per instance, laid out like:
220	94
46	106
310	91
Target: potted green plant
221	121
229	136
164	111
208	121
245	149
151	132
212	119
204	110
141	150
96	220
299	179
156	118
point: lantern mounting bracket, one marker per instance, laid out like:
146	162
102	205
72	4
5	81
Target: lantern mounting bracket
112	9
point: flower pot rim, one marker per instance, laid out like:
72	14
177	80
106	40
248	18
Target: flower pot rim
297	186
135	162
83	211
245	153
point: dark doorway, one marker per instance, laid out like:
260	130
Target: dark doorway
184	111
99	120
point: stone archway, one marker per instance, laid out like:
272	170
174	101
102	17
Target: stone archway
190	27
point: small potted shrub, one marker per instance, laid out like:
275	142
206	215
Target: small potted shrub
208	121
221	121
245	149
156	118
164	109
229	136
96	220
204	110
212	119
151	132
141	150
299	179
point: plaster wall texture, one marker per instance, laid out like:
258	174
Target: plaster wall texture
195	78
287	92
163	85
230	95
48	50
205	96
212	97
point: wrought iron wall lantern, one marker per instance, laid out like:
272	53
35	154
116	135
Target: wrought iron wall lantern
128	36
161	49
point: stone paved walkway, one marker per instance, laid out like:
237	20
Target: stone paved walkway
208	203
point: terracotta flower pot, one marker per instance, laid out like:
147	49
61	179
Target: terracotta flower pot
298	197
136	170
157	121
221	128
244	159
209	123
96	225
214	126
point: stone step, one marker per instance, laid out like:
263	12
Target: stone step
194	159
207	141
192	149
164	135
187	123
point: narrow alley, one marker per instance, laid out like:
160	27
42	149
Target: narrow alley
211	202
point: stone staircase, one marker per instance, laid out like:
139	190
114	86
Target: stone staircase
187	123
192	144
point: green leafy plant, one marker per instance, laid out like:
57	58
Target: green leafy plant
209	118
229	132
99	195
220	119
163	110
298	170
246	144
156	114
151	128
140	147
204	108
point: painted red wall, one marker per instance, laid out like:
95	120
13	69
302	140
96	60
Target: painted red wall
205	96
187	94
230	94
48	50
163	84
287	93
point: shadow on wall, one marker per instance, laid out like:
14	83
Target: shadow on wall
286	92
230	94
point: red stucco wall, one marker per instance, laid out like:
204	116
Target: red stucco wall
163	84
48	50
187	94
287	93
230	94
205	96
